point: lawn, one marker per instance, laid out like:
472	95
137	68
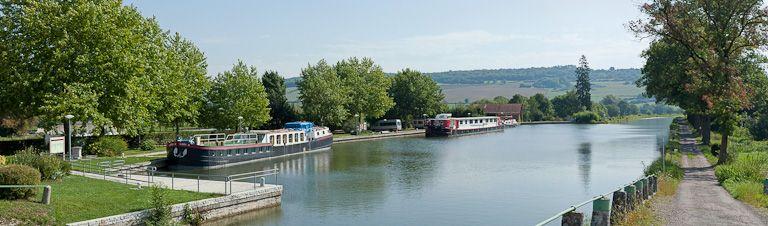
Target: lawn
77	198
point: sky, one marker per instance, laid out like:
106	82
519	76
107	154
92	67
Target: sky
429	36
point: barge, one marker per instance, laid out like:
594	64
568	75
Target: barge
446	125
220	150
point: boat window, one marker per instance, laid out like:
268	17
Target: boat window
290	138
272	139
278	139
285	138
302	136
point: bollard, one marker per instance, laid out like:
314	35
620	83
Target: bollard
601	210
263	181
655	184
765	186
646	191
618	206
639	191
47	195
631	194
573	218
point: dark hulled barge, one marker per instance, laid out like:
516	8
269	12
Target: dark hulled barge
220	150
446	125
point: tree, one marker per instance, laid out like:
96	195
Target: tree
626	108
583	86
323	95
237	92
518	99
500	100
367	87
415	94
539	108
610	100
567	104
97	60
185	83
279	109
716	34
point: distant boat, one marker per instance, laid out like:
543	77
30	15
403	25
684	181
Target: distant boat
446	125
220	150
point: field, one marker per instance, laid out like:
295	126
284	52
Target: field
455	93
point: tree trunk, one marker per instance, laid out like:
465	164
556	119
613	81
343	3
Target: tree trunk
723	156
705	129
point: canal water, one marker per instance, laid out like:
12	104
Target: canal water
516	177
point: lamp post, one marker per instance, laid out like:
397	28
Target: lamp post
68	138
239	123
357	128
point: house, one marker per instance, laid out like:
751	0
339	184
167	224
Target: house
505	111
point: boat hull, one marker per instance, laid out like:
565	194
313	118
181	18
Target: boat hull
182	155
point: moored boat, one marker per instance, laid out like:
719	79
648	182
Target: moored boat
220	150
446	125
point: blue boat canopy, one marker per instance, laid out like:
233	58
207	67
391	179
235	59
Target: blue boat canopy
306	126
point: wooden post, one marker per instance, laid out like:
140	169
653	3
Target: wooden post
639	190
47	195
573	218
601	212
618	206
631	194
655	184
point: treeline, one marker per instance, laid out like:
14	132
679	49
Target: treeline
107	65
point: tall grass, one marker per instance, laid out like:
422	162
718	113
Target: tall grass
743	174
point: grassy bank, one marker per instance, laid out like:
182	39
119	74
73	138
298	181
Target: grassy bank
77	198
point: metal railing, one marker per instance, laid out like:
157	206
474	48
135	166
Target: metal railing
604	195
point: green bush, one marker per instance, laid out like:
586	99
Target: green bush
160	214
671	168
586	117
50	167
147	145
758	127
745	167
18	175
108	146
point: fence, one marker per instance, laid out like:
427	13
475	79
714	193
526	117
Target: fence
138	174
610	207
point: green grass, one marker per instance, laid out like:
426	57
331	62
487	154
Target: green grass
139	151
128	160
77	198
629	118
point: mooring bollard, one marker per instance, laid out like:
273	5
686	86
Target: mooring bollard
47	195
573	218
646	190
263	181
765	186
618	205
601	212
655	184
631	194
639	191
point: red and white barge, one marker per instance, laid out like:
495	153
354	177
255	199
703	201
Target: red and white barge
446	125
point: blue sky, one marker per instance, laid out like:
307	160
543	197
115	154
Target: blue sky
429	36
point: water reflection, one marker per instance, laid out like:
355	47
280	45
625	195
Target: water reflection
585	164
515	177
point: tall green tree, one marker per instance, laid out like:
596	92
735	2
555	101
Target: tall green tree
235	93
184	83
323	95
518	99
567	104
583	86
367	85
415	94
97	60
716	34
279	108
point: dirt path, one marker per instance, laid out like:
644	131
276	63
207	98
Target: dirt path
701	201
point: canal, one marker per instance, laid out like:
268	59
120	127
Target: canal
516	177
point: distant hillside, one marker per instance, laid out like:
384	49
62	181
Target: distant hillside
556	77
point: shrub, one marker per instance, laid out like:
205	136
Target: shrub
2	160
586	117
108	146
746	167
50	167
147	145
18	175
160	214
758	127
670	168
192	217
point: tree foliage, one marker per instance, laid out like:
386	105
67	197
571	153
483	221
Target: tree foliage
235	93
567	104
414	95
323	95
279	109
367	85
539	108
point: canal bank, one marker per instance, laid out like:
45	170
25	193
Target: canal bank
514	177
354	138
